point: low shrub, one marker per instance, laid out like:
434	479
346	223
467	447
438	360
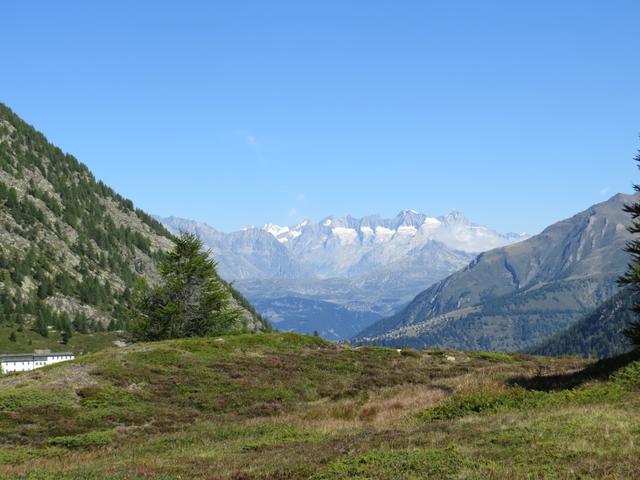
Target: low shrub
22	398
628	376
84	440
517	398
500	357
410	352
401	464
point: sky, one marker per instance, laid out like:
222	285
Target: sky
241	113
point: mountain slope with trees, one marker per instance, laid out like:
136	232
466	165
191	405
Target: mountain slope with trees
517	296
600	334
72	250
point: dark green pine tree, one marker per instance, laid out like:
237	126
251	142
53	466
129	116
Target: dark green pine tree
191	300
41	324
632	276
64	323
80	323
45	288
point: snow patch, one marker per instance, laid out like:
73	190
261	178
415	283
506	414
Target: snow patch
431	222
346	235
407	230
383	233
275	230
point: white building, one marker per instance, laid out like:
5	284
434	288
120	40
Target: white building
20	362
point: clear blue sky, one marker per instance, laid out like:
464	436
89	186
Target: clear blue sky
238	112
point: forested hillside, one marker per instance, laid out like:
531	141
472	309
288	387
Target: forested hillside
599	334
71	249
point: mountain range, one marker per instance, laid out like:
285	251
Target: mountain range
71	246
79	247
352	270
338	247
517	296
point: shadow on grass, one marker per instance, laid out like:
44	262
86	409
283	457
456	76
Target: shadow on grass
601	370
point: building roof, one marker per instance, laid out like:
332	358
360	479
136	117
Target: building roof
30	357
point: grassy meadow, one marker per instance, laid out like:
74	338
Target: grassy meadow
28	340
286	406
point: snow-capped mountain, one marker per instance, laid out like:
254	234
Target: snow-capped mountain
351	246
454	230
369	264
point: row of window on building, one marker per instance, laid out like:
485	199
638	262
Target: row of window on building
24	362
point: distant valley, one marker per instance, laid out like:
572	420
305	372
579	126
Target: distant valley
339	275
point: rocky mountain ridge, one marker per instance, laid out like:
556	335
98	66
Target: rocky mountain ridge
516	296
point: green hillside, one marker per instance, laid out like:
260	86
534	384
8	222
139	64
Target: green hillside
294	407
71	249
28	340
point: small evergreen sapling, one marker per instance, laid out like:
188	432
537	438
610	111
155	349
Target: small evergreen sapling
191	300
